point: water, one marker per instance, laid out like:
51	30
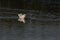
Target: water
37	30
11	29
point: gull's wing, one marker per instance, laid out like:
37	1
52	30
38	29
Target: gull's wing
19	15
23	16
23	21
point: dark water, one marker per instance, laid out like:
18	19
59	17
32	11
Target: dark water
11	29
37	30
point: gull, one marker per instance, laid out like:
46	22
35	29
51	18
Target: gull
21	17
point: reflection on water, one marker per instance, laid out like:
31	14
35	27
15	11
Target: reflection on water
37	30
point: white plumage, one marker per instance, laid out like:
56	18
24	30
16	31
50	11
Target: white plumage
22	17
